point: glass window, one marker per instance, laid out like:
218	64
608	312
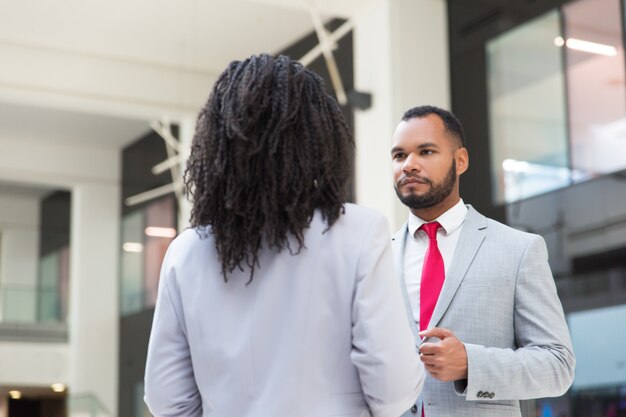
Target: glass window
527	113
38	298
132	262
64	282
48	288
146	235
140	407
53	285
599	347
159	232
18	304
594	53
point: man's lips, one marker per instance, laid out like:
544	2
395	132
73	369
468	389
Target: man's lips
413	180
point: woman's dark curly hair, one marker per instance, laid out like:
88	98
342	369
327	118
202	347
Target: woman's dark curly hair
271	146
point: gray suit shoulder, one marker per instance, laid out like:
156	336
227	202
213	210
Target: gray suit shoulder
506	230
505	236
504	233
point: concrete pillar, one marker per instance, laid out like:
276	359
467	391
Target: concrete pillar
93	312
187	129
401	58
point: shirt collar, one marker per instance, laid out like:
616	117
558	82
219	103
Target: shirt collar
449	221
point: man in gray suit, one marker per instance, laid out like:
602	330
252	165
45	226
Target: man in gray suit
491	326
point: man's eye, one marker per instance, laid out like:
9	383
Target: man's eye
427	152
398	156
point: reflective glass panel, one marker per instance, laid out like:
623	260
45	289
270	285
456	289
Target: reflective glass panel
595	85
599	346
49	309
132	297
146	235
140	407
527	114
159	232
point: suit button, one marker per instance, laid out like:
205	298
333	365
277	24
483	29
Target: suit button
414	409
480	394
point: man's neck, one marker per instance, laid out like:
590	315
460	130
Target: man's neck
429	214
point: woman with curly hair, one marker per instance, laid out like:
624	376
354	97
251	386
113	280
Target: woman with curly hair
281	299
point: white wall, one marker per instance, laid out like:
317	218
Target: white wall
401	58
88	362
33	364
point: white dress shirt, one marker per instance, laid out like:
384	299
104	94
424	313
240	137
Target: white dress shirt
416	245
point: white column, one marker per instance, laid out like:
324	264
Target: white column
372	127
187	128
401	58
94	313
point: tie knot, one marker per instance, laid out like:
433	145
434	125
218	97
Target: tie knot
431	229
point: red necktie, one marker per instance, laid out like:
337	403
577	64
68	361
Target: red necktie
433	275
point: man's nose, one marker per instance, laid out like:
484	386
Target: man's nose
411	163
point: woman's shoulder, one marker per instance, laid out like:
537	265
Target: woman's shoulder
360	220
189	239
358	211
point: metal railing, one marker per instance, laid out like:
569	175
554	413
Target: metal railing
30	304
31	314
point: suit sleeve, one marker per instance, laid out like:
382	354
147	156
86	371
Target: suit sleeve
383	350
543	364
170	387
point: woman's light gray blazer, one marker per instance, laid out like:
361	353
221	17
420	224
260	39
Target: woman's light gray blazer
319	333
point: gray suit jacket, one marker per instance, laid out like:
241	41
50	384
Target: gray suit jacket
317	334
499	298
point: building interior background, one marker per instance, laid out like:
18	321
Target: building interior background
97	109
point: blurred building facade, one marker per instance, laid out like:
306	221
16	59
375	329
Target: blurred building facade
97	110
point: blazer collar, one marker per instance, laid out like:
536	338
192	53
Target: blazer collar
397	243
470	240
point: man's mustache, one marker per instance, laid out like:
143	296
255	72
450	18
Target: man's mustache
406	179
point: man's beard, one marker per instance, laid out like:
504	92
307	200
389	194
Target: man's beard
436	194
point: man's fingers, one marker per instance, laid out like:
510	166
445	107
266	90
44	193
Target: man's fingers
431	369
427	359
429	348
438	332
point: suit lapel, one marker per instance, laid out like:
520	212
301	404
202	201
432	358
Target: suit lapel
398	258
472	236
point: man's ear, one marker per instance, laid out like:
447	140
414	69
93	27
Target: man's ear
462	160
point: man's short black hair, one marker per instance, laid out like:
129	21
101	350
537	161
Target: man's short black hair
451	123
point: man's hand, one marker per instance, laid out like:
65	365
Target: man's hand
445	360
